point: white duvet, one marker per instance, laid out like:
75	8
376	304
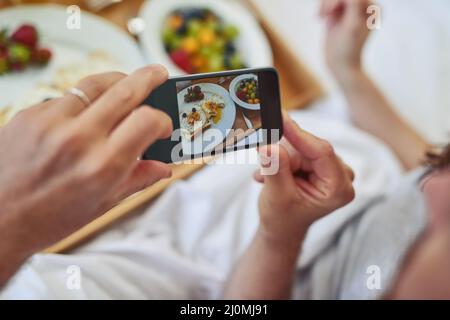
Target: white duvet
184	245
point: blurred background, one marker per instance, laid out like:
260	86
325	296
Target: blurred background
408	56
47	46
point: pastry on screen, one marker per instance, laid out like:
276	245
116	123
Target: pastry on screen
193	123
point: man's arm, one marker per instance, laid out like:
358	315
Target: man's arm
14	249
311	182
346	36
66	163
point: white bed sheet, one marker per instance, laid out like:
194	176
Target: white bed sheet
184	245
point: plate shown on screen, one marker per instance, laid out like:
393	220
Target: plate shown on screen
226	122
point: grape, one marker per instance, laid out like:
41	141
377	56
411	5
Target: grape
193	27
206	52
218	45
215	62
230	48
168	35
230	32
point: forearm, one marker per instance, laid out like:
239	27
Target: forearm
267	269
10	263
372	112
14	248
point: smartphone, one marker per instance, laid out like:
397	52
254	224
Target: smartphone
213	113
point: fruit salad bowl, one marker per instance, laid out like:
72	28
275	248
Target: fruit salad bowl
244	91
198	36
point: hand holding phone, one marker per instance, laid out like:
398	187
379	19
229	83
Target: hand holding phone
217	112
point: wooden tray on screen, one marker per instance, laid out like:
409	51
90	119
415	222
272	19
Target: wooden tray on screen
298	89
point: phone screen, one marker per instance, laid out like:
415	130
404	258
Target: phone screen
217	113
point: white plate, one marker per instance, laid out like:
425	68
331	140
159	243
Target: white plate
67	45
252	42
225	124
233	95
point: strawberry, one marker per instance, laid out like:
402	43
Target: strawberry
181	59
26	34
41	56
242	96
16	66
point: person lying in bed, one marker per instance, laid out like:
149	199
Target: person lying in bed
398	247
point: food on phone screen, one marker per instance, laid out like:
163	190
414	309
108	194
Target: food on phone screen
218	121
213	108
247	91
198	40
194	122
194	94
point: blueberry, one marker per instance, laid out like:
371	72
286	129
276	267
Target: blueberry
182	30
184	115
194	13
230	48
227	60
206	12
194	110
177	13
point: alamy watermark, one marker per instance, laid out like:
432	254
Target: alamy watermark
373	281
374	19
209	147
73	279
73	21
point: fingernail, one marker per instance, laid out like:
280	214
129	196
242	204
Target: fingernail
265	157
266	164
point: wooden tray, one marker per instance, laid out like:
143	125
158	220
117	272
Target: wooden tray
298	89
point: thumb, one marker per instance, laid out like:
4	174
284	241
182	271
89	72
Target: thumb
275	167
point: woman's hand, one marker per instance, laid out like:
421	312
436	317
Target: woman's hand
347	33
63	163
369	108
311	182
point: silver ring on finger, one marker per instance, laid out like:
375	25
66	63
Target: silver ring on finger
80	95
